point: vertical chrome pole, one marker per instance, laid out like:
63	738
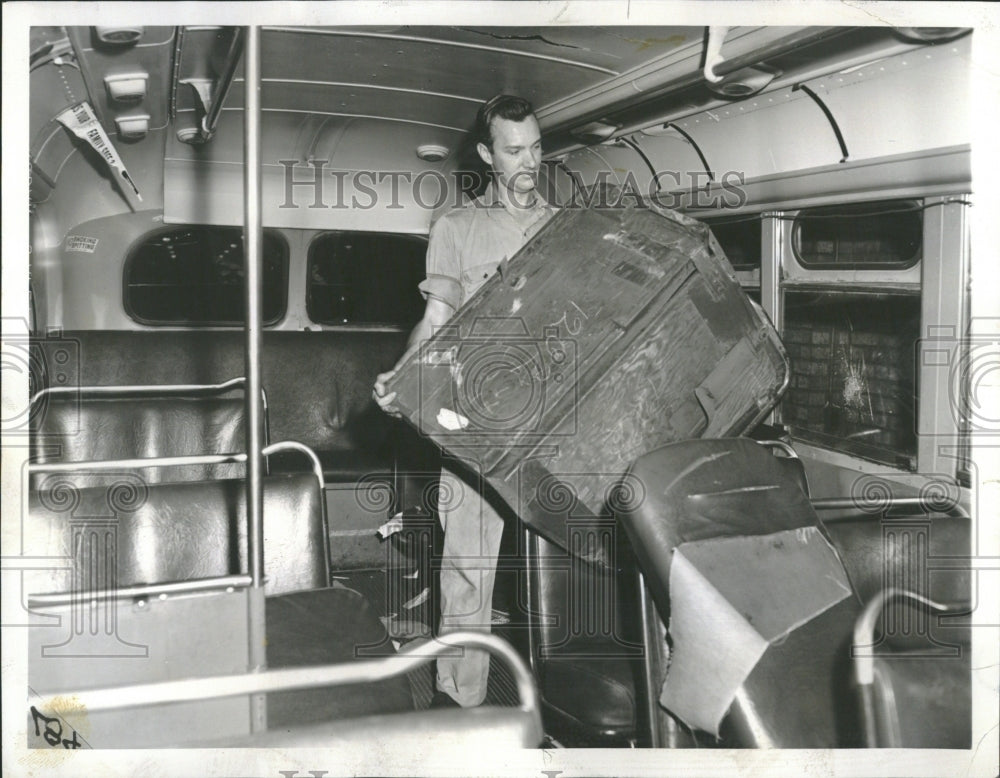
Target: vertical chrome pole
772	241
252	240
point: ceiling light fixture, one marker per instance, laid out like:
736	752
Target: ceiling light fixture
431	152
594	132
742	83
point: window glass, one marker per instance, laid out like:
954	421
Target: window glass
885	234
853	384
366	278
193	275
740	239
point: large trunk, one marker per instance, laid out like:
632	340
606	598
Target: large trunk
611	333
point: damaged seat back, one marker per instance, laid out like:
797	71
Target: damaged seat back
758	605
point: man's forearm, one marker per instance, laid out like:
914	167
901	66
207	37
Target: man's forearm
435	315
420	333
423	331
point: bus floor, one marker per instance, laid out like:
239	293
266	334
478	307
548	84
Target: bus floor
408	608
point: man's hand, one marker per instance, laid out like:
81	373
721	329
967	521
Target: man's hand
385	401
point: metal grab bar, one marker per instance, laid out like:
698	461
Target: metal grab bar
408	659
128	391
177	587
145	591
317	466
884	504
789	452
196	390
96	465
293	445
864	656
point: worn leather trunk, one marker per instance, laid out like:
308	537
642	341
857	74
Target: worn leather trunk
611	333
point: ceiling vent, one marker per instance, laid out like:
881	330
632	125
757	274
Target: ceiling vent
118	36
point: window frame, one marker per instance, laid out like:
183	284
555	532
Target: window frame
792	276
130	254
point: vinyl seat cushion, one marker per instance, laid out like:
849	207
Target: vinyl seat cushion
328	626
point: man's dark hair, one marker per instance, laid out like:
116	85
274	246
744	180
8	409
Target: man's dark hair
515	109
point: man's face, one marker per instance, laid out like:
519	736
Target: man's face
516	153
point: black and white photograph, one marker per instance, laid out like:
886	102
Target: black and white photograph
501	388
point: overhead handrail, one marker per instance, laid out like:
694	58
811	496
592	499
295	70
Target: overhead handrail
212	94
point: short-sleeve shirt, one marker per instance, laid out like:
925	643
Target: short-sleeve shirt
468	244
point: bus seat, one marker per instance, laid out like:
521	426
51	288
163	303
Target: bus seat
318	384
324	626
721	489
75	427
602	711
585	652
920	553
906	700
185	530
921	659
489	729
351	685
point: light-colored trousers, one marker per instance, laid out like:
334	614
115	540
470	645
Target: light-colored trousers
472	532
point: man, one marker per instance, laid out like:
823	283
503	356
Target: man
466	246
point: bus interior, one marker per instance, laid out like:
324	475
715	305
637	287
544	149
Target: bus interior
227	228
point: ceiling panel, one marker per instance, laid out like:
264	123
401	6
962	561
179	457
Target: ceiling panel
614	49
542	65
362	101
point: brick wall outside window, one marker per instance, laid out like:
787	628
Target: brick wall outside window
853	377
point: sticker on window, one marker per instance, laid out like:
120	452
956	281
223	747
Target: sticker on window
81	243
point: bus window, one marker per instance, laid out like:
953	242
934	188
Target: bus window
871	235
193	275
365	278
740	240
853	375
